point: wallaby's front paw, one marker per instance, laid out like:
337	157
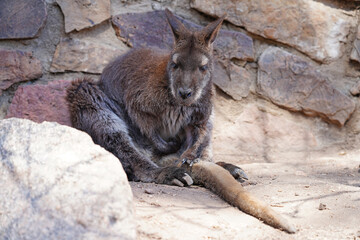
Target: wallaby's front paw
174	176
235	171
189	161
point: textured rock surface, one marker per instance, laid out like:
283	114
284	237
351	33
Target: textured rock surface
151	29
355	53
83	55
255	132
355	90
55	183
41	103
292	83
21	19
310	26
232	79
296	161
82	14
17	66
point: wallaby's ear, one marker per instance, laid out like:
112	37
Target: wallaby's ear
211	30
177	27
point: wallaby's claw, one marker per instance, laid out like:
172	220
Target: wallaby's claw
177	182
174	176
187	179
240	174
237	172
183	161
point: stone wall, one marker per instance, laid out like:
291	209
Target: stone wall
287	72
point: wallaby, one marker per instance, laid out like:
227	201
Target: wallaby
153	110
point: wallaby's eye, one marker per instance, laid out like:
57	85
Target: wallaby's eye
203	68
174	65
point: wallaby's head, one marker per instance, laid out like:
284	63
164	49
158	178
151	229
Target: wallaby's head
191	64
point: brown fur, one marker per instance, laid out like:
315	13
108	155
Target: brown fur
153	110
218	180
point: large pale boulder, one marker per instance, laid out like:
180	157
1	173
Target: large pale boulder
312	27
292	83
55	183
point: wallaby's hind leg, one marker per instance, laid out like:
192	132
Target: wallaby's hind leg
237	172
93	112
204	153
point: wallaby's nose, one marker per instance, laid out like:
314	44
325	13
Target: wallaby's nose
184	93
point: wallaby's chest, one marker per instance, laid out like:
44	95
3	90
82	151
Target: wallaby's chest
173	119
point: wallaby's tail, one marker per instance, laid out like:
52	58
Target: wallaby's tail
220	181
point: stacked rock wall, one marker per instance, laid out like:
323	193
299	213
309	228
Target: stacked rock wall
286	71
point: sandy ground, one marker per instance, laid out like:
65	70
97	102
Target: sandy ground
295	188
